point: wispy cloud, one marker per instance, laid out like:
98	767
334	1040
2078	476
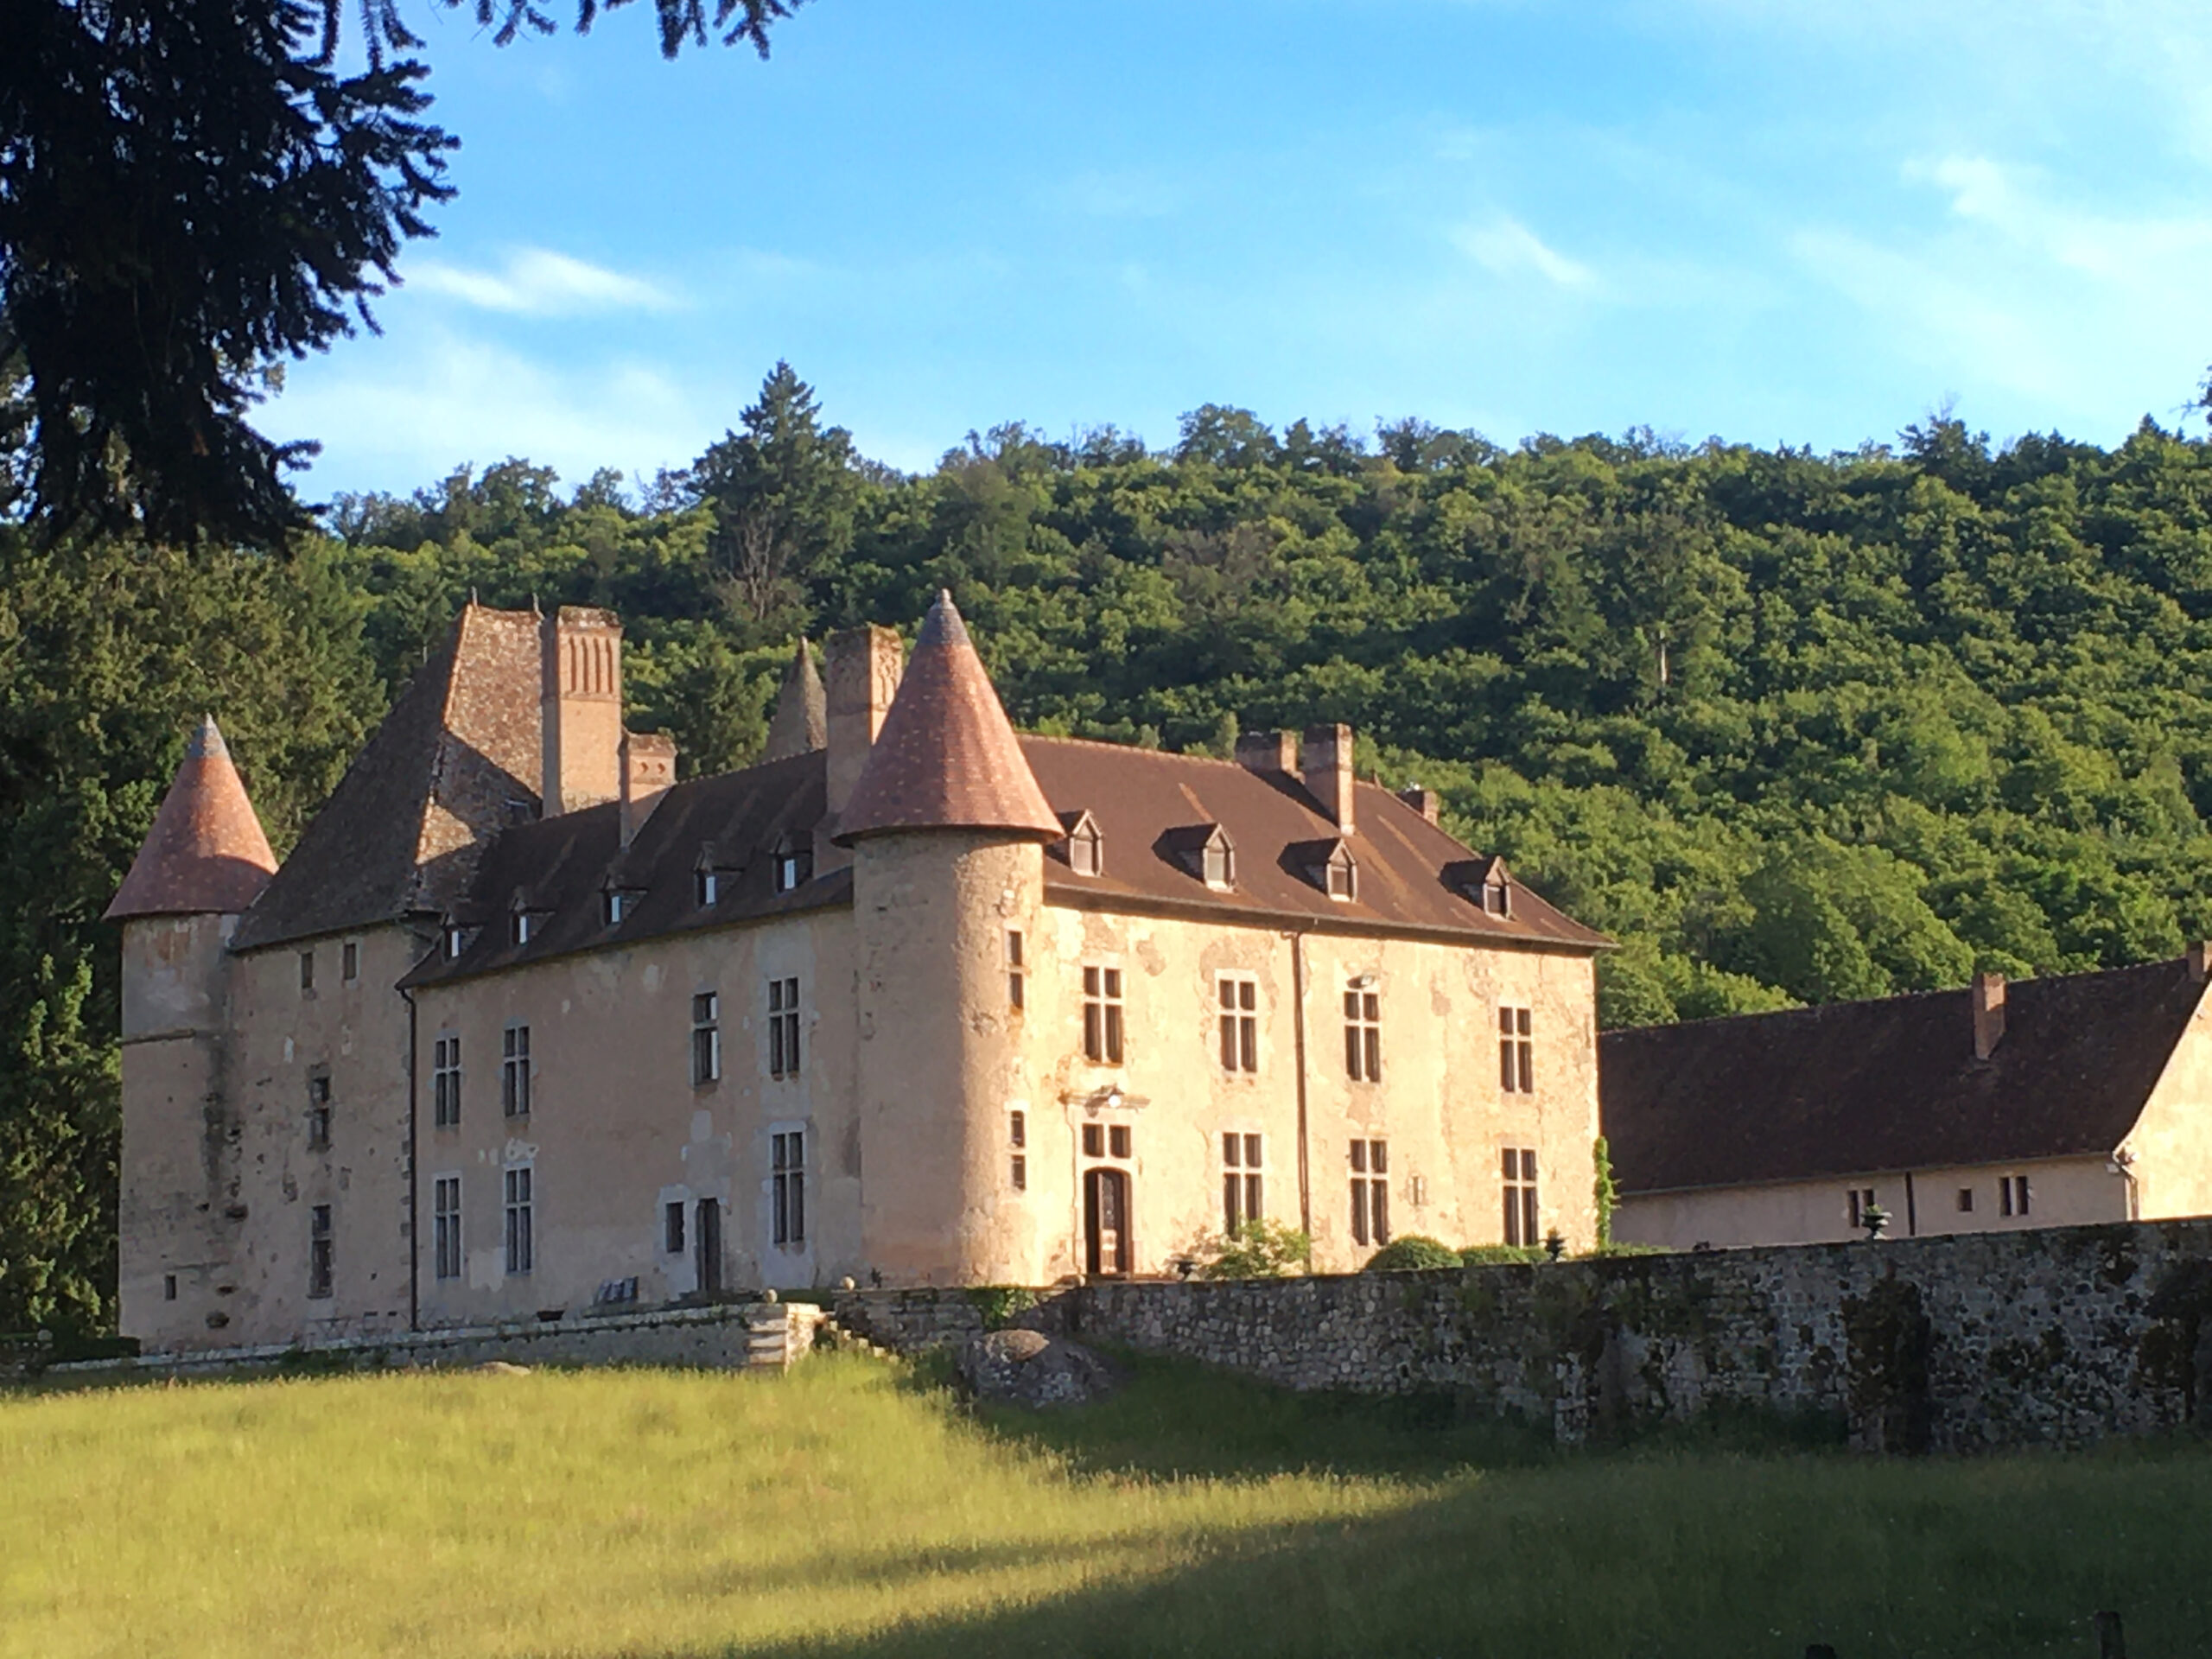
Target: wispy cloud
539	282
1506	247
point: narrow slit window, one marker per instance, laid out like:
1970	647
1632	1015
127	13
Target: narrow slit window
783	1029
1016	985
321	1252
672	1227
349	958
1517	1051
1102	1016
307	970
1240	1023
1520	1164
706	1038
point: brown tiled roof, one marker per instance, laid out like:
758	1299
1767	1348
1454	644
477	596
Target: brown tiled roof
456	760
206	853
801	719
561	867
946	757
1147	802
1861	1088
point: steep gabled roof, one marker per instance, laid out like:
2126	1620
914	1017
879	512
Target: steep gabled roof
456	760
946	757
1863	1088
206	853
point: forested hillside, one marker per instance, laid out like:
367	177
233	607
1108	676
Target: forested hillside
1790	726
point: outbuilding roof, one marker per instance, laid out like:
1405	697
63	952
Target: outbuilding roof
206	853
1867	1088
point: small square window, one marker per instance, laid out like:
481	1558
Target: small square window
1094	1141
1966	1200
1117	1139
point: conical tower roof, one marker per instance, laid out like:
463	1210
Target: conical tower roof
946	757
205	853
801	721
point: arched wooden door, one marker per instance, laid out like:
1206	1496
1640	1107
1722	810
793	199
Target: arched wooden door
1108	1249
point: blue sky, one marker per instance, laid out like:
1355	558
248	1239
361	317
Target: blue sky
1808	223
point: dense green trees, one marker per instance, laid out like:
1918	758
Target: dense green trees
1790	727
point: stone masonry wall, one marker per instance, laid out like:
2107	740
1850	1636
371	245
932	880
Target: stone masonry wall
2062	1335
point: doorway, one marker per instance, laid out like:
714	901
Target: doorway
708	1246
1106	1224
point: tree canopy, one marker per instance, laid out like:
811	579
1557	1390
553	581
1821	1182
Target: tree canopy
192	195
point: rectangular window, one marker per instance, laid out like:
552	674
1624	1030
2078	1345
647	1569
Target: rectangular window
2012	1195
1364	1034
1094	1141
791	869
445	1238
1102	1016
514	1071
1117	1141
672	1227
707	888
1862	1200
307	970
1018	1137
783	1027
1020	1173
615	905
706	1037
1521	1196
169	1286
521	1207
1016	991
445	1083
350	962
319	1110
520	927
1240	1023
1370	1191
1966	1200
787	1188
320	1256
1242	1194
1517	1051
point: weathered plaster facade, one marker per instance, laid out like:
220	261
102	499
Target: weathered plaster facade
839	1015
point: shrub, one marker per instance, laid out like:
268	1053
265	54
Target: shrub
1260	1250
1483	1255
1412	1254
1001	1305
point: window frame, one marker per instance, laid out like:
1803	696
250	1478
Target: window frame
784	1054
674	1234
1237	1022
1520	1183
1017	971
319	1118
322	1253
787	1188
706	1038
446	1257
1105	1018
706	886
1243	1178
306	971
349	962
1516	1049
518	1191
1370	1190
445	1080
1363	1031
516	1068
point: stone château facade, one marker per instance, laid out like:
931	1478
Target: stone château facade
522	1024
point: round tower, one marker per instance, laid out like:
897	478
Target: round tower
203	862
948	829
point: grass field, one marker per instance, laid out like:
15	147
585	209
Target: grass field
852	1508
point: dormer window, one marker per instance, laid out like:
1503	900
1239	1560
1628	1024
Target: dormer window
1205	850
1485	881
1086	844
1219	861
706	885
520	926
458	939
1497	897
1331	866
617	904
790	867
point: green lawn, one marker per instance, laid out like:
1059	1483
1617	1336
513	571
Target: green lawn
851	1508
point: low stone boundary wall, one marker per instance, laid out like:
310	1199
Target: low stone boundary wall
2061	1336
907	1321
735	1337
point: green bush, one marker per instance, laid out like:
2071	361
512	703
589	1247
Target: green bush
1001	1305
1485	1255
1412	1254
1260	1250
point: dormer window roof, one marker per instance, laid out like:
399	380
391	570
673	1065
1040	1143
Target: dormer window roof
706	881
460	937
1330	866
1487	883
524	921
617	904
1205	850
791	864
1085	846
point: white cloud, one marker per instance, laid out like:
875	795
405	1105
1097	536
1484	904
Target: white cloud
1506	247
538	282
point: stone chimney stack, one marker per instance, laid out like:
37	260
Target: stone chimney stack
866	665
648	770
1327	766
1268	751
1988	994
582	653
1423	801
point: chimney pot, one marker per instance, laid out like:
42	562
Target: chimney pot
1327	758
1988	998
1267	751
1423	801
